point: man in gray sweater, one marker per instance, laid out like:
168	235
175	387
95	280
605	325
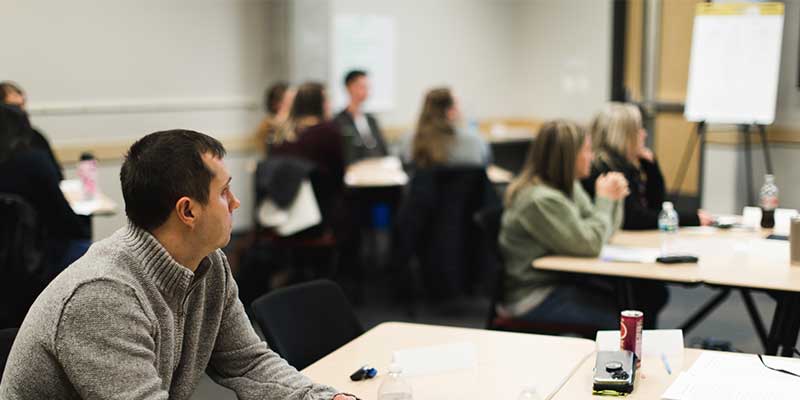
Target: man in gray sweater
146	311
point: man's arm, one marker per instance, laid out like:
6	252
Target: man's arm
104	343
242	362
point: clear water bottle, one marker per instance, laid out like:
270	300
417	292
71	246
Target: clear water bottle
668	225
529	393
87	173
394	387
768	201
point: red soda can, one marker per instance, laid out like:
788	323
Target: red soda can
631	323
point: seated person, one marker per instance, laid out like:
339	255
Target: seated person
13	95
619	143
309	134
438	140
361	132
548	213
30	173
148	310
277	103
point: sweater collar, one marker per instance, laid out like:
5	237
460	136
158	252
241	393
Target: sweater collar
171	278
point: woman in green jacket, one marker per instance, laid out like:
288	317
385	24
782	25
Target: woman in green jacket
548	213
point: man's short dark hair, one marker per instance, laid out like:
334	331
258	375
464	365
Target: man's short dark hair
353	75
162	167
7	87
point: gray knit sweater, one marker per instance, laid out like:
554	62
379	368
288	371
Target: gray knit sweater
126	321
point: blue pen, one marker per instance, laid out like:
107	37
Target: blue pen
666	364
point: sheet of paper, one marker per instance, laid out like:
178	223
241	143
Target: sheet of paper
436	359
654	342
751	217
85	207
717	375
629	254
783	221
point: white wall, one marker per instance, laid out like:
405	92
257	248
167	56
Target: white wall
725	189
535	58
83	61
465	44
563	57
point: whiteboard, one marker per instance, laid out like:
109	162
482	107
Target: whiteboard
365	42
735	63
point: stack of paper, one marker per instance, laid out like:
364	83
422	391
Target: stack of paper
629	254
436	359
736	376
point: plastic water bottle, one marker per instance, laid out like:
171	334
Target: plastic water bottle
87	172
668	225
768	201
529	393
394	387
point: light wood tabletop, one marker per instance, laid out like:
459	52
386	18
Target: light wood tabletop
101	205
506	362
651	380
726	258
388	171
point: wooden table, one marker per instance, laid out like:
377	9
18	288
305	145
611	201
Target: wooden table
388	172
101	205
506	362
729	259
651	380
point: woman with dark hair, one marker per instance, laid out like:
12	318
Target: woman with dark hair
549	213
29	173
438	140
309	133
277	104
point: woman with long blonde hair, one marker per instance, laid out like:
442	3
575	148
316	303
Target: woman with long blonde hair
619	142
438	140
547	212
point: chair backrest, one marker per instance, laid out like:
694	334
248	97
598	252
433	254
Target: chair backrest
489	221
6	340
435	223
305	322
21	259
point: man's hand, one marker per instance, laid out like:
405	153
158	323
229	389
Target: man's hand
342	396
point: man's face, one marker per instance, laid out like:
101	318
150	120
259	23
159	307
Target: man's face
359	89
216	221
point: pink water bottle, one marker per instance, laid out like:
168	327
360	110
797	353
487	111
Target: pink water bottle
87	172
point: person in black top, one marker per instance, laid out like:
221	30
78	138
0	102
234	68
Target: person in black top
30	173
618	138
12	94
361	132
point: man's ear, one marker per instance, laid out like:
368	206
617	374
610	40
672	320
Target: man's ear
187	211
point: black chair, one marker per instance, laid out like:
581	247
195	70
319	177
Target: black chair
21	259
6	340
312	253
489	221
305	322
435	226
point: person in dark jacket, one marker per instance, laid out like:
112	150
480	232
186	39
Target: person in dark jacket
619	143
360	130
29	173
309	134
13	95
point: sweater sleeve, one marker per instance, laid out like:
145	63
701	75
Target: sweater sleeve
558	225
242	362
104	342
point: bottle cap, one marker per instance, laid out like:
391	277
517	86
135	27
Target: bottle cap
667	205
